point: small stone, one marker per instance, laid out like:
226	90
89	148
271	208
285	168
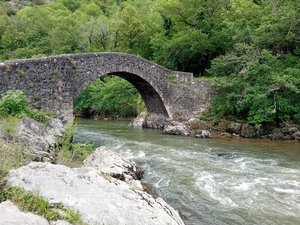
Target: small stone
293	130
136	185
176	128
296	135
226	134
204	134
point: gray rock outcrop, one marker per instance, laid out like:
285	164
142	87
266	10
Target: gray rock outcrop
113	164
155	121
99	199
139	121
38	137
11	215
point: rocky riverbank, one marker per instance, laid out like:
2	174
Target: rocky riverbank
208	129
105	190
94	192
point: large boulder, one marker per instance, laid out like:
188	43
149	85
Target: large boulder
293	130
99	199
38	137
276	135
109	162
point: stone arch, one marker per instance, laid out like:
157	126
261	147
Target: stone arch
149	94
148	78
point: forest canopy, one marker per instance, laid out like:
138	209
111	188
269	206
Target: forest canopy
250	47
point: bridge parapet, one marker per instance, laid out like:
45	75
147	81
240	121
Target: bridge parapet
54	83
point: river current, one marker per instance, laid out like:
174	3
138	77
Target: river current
211	182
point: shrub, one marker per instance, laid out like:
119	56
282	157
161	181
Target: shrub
15	103
256	86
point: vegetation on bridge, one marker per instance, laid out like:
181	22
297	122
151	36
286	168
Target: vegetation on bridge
251	47
13	106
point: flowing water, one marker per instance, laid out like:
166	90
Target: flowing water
211	182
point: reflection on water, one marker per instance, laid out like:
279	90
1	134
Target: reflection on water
211	181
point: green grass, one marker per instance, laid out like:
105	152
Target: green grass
204	78
31	202
9	125
13	155
70	154
173	78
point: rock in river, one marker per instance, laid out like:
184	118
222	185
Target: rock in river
111	163
176	128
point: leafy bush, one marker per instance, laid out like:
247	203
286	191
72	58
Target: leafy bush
15	103
111	97
9	125
259	87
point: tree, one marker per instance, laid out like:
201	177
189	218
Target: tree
256	86
112	96
193	34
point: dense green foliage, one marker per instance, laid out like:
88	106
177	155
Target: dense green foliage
259	76
257	86
252	47
15	104
111	96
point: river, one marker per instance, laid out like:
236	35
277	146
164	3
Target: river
211	182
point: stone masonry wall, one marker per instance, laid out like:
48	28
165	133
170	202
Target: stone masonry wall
54	83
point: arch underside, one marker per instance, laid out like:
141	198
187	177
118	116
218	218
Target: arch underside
153	101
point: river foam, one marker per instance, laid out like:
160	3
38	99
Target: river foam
212	182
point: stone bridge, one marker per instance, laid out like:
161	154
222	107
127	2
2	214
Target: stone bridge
53	83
